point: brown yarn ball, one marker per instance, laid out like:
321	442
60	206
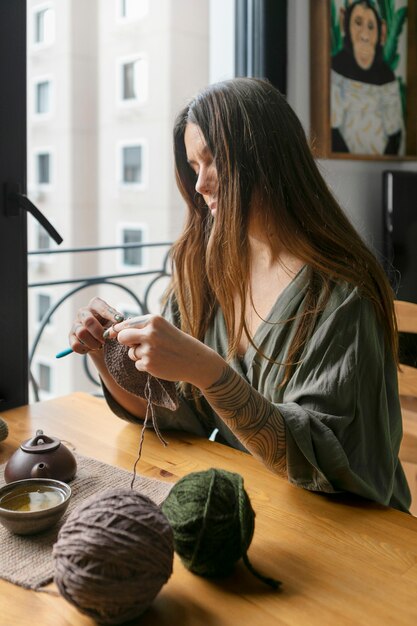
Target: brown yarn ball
113	555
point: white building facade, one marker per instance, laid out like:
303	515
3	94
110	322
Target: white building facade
106	79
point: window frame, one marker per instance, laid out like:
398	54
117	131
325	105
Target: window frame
139	226
131	143
35	184
261	40
13	234
35	115
40	45
120	63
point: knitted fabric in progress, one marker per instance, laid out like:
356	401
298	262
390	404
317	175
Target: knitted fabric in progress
123	370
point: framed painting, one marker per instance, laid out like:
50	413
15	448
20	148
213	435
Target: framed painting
363	72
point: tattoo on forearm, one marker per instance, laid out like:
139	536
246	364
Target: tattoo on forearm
254	420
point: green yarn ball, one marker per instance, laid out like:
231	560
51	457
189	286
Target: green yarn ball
4	430
212	520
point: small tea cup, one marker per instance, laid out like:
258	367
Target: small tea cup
32	505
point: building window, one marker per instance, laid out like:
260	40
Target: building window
44	378
132	256
134	80
43	97
43	306
132	165
133	9
43	240
44	26
43	168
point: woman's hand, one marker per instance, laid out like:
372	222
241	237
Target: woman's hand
160	348
86	333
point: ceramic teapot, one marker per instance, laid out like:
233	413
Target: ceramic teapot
41	457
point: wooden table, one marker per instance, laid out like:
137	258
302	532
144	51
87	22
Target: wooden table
342	560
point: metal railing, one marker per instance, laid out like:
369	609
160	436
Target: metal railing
81	283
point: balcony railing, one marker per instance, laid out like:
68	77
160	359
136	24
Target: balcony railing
78	284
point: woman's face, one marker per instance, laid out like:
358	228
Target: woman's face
364	35
201	161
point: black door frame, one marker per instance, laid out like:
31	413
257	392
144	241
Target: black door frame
261	40
13	237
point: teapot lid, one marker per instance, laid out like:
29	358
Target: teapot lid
40	443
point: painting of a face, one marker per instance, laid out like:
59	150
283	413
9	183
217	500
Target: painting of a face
364	35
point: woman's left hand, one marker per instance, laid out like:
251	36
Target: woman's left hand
160	348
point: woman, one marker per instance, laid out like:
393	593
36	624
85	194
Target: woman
279	320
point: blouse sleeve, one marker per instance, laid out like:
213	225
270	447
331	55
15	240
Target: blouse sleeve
341	409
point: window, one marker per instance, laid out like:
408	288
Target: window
133	80
132	165
43	240
44	26
44	378
43	168
85	76
43	306
132	256
132	9
43	97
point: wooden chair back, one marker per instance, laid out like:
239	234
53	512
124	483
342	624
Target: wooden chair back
406	313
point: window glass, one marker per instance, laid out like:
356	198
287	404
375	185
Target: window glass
134	80
44	304
132	256
129	82
42	97
44	24
100	151
132	164
44	377
43	240
43	168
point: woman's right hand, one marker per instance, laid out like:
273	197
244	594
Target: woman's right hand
86	333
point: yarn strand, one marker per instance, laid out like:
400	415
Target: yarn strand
149	412
272	582
275	584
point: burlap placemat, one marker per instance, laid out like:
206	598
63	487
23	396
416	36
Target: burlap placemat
27	560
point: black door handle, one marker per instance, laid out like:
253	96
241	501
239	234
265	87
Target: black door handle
14	201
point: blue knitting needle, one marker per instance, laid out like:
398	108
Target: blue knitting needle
69	350
64	353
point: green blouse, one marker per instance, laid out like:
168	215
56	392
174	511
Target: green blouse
341	406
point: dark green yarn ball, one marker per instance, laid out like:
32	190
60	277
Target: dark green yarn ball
212	520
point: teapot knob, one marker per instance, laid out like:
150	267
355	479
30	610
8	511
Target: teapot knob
39	434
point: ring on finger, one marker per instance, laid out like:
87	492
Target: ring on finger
132	354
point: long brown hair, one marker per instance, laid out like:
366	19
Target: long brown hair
260	148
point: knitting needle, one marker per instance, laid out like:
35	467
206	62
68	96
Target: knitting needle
118	317
64	353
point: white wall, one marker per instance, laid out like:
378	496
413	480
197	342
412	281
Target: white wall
356	184
222	40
